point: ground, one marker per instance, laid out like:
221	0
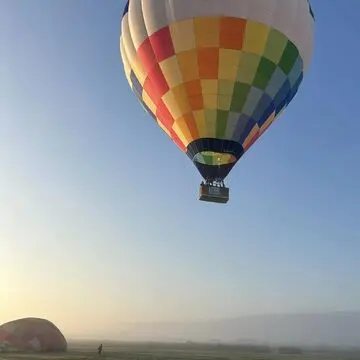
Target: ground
122	351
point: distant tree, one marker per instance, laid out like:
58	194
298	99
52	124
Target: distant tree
287	350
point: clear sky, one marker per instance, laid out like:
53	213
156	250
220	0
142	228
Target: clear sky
99	218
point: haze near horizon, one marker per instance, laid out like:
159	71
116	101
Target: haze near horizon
99	218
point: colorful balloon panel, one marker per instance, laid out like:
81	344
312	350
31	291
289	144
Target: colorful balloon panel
215	74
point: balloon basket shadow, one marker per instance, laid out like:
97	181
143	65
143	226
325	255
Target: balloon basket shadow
213	192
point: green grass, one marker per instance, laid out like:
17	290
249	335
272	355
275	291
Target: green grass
156	351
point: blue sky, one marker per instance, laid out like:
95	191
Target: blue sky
99	217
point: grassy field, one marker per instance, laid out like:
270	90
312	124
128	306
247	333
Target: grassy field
132	351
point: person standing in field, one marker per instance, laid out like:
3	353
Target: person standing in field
100	349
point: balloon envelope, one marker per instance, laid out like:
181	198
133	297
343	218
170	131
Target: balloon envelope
32	334
215	74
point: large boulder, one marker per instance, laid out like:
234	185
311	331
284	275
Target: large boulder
32	334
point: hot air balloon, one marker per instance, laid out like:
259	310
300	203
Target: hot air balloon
215	74
32	334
